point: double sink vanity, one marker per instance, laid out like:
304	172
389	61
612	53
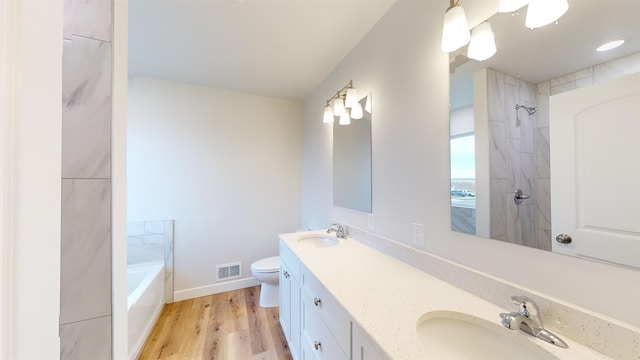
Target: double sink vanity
342	299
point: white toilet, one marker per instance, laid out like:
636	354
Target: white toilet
267	271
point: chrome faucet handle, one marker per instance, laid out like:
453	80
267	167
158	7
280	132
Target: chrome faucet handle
529	309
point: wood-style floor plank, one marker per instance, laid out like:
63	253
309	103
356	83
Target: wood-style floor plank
229	325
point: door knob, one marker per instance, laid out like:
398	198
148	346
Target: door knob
564	239
519	196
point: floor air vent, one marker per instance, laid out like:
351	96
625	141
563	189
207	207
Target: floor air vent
228	271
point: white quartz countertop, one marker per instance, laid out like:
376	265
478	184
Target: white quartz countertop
387	297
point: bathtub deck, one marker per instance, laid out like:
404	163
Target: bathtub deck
229	325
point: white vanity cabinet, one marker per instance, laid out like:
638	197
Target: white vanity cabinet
314	322
290	299
362	347
326	326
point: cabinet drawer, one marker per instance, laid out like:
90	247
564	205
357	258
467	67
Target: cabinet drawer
317	340
326	307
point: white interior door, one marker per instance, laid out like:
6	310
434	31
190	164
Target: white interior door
595	170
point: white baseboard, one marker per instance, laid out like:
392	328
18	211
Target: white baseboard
187	294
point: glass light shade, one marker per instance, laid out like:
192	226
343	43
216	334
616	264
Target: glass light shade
455	31
328	115
511	5
351	98
338	107
345	119
483	44
356	111
543	12
367	104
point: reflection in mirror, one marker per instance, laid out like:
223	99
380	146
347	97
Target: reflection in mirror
503	105
352	161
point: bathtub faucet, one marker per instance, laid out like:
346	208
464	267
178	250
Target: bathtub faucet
338	229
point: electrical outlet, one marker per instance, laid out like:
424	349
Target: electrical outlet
417	235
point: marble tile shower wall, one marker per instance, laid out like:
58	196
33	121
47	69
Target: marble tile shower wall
85	282
513	160
150	241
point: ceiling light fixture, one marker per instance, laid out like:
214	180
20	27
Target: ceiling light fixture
455	30
610	45
345	106
543	12
483	44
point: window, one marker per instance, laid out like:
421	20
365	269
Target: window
463	171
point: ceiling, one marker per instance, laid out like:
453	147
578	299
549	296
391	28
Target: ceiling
556	49
276	48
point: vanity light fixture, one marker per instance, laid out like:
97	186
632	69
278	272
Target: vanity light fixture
610	45
345	106
543	12
483	44
455	30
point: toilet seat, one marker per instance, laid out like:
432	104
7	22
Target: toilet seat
267	265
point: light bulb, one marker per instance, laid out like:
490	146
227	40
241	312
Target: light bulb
455	31
328	115
543	12
344	118
338	107
511	5
356	111
351	99
483	44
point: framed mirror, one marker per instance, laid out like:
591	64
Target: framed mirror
352	161
502	126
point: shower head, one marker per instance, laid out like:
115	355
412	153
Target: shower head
530	110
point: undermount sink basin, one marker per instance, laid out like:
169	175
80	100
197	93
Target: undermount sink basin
460	336
319	241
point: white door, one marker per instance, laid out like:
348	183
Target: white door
595	171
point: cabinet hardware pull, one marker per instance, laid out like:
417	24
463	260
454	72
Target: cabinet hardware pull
317	301
317	345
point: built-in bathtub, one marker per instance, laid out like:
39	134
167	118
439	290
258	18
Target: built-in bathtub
145	299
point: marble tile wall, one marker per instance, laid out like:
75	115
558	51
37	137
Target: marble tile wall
463	219
85	283
150	241
512	155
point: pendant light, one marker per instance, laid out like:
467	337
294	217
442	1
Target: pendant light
356	111
338	106
328	115
351	98
455	30
345	119
483	44
543	12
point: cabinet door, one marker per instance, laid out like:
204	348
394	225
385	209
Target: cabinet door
362	347
285	301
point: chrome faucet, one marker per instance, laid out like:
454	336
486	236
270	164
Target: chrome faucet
338	229
528	320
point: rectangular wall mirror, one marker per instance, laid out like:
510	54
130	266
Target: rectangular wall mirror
511	142
352	161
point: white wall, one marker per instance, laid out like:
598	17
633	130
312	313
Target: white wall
401	64
224	165
31	126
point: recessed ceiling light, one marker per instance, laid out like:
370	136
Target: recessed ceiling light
610	45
